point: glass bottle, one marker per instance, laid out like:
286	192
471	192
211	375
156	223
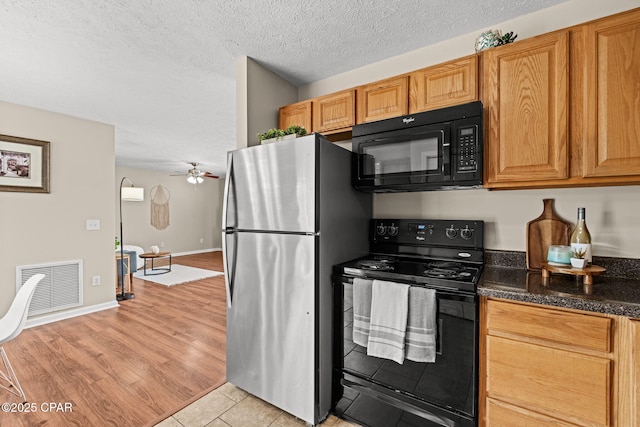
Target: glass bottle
581	238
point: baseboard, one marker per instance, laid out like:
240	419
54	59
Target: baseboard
68	314
199	251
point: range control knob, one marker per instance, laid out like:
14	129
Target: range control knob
451	232
393	230
381	230
466	233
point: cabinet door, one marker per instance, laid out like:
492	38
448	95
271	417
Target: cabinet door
629	374
547	380
526	99
298	114
382	100
635	376
500	414
334	112
451	83
612	141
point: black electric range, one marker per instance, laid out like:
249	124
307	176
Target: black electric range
447	257
441	253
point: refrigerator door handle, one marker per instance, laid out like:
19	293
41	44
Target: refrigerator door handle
225	199
226	257
228	271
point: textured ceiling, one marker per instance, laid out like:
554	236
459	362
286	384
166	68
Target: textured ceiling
162	71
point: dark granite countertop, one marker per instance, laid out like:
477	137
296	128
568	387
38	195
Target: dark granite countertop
617	291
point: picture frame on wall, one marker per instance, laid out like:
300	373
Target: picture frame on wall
24	165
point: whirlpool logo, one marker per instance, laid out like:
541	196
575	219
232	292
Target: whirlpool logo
408	120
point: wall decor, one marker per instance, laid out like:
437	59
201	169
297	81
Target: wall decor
160	207
24	165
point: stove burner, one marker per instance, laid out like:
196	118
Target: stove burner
449	265
384	258
445	270
381	263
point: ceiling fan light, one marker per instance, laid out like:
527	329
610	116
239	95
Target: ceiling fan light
192	179
199	180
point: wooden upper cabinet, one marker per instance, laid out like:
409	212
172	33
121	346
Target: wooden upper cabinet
298	114
443	85
526	98
383	99
334	112
612	96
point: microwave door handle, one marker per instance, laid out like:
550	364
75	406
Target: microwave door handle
446	154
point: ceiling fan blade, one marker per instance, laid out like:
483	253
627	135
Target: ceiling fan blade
210	175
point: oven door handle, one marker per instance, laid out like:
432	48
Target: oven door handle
439	343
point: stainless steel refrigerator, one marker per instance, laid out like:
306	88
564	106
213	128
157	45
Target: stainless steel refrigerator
289	215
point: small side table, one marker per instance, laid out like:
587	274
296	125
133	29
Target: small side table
156	270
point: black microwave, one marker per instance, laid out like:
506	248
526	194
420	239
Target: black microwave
433	150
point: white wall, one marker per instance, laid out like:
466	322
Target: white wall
611	211
194	212
259	94
44	228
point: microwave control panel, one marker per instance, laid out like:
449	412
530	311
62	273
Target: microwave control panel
467	149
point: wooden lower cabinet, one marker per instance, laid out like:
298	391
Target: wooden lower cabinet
500	414
547	366
560	383
629	375
634	389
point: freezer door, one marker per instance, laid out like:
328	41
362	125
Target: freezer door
270	321
272	187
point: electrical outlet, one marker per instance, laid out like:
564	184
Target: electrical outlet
93	224
162	244
201	240
96	281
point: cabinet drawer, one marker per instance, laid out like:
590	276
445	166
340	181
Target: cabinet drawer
579	330
502	415
548	380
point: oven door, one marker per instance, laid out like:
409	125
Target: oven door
404	159
369	389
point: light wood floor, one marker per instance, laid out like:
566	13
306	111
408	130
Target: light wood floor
129	366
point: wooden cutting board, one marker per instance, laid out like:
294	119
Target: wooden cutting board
546	230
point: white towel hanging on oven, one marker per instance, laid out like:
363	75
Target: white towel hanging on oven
389	307
361	310
421	325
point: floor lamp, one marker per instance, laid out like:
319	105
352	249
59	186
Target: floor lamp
129	194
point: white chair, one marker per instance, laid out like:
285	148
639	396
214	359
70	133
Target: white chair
10	327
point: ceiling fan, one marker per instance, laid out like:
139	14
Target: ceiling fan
195	175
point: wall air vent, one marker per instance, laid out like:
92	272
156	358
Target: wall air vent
60	289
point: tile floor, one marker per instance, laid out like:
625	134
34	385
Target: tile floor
228	406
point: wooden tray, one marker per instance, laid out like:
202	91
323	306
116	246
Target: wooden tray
588	272
546	230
